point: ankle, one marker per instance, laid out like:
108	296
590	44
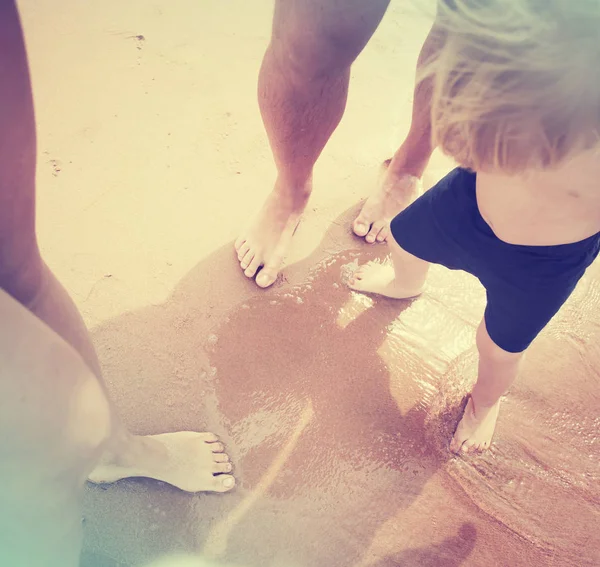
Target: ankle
27	281
294	194
400	184
409	163
123	450
296	190
481	408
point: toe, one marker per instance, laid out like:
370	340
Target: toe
356	277
266	277
223	483
221	458
361	271
375	230
455	445
467	447
356	285
217	447
252	267
243	251
239	242
209	437
220	468
361	227
247	260
383	234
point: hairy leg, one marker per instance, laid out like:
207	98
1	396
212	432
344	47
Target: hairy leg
400	181
302	91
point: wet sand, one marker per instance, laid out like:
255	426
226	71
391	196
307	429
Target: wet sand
336	408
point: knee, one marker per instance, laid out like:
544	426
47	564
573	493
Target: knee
80	419
304	57
323	37
89	417
490	351
309	43
22	273
59	418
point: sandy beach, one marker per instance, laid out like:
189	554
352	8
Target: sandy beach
336	408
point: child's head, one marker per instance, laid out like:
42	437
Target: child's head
517	84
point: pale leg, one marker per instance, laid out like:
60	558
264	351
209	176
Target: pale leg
55	421
191	461
402	279
498	369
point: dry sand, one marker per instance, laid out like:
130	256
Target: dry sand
151	155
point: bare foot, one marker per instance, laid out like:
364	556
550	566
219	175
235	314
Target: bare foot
475	430
374	277
264	245
395	193
193	462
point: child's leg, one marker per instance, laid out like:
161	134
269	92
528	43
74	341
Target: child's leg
401	280
497	371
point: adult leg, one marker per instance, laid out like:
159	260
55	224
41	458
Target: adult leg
498	369
186	460
55	420
302	91
399	184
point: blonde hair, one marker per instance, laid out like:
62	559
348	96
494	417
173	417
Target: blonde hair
516	83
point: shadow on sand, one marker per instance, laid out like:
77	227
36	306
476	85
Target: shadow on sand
293	381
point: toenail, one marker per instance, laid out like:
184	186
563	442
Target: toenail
228	482
264	280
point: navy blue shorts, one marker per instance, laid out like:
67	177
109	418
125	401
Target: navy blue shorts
526	285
